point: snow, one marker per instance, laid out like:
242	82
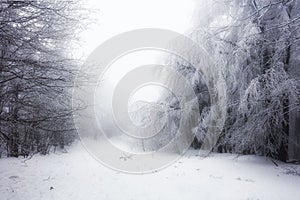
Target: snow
76	175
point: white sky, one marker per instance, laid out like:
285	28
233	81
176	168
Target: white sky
117	16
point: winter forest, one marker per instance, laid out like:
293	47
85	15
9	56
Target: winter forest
227	130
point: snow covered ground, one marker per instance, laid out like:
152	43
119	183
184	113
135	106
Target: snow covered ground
76	175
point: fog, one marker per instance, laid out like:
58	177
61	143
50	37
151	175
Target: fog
115	17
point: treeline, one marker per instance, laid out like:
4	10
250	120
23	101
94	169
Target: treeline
36	75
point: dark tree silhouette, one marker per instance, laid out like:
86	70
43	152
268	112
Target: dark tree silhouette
36	74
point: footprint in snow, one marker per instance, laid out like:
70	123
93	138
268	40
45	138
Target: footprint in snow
246	180
13	177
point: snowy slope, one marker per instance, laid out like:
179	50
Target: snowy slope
76	175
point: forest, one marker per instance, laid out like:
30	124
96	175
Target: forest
254	44
252	83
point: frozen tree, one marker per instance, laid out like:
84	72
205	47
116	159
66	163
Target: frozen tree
254	44
36	74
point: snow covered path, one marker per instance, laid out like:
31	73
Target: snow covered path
77	176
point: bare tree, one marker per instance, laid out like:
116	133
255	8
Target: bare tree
36	74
